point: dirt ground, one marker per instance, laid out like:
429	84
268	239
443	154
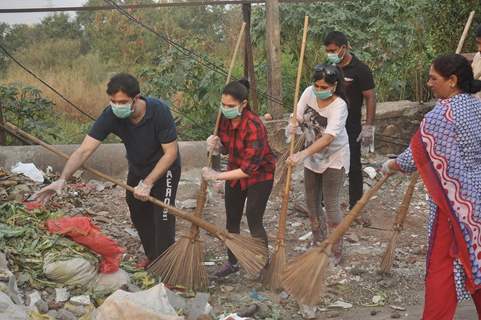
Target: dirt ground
356	281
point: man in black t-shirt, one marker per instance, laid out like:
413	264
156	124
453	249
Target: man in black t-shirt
147	129
359	88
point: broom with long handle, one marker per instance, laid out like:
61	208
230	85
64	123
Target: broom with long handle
188	250
249	251
304	278
272	275
465	32
388	257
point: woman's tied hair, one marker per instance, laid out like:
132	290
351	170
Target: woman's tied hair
238	89
456	64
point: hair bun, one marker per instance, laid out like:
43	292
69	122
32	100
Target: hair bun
244	82
475	86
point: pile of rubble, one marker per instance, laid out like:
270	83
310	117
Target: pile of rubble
45	275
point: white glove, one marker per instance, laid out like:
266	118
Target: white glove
214	145
44	194
142	190
296	158
367	137
387	167
292	128
209	174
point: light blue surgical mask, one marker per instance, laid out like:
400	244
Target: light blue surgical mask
122	110
230	113
322	94
333	58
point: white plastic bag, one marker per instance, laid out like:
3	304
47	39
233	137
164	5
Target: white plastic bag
11	311
74	271
28	170
106	283
151	304
234	316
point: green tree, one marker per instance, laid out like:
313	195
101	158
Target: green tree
388	35
446	19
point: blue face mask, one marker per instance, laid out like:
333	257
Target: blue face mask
230	113
333	58
322	94
122	111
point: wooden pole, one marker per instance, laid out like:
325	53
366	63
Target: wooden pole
249	71
287	188
465	32
273	37
279	258
3	138
14	134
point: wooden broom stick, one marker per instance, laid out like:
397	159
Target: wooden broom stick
278	262
252	258
388	258
465	32
304	278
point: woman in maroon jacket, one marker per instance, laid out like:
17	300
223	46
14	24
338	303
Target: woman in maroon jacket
251	165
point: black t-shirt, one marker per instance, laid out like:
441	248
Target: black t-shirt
143	140
358	78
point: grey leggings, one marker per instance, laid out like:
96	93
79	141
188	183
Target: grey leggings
324	187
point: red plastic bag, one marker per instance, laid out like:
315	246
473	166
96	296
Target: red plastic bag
32	205
84	232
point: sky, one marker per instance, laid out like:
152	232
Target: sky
30	18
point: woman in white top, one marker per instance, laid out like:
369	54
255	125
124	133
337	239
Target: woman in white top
321	114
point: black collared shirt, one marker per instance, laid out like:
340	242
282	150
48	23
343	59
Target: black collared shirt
357	78
142	140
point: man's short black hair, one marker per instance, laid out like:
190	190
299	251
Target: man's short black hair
123	82
336	37
478	31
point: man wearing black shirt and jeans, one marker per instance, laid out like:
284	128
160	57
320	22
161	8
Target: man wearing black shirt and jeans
359	87
147	129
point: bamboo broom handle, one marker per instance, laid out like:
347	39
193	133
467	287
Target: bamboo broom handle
465	32
204	184
229	75
214	230
341	229
287	188
404	207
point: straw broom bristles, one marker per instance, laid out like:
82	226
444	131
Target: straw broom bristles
304	277
251	253
277	265
167	265
388	257
188	251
